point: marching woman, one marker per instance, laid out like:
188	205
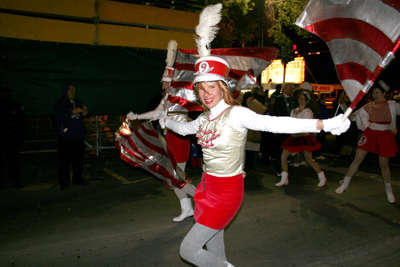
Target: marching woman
221	131
303	142
179	145
378	120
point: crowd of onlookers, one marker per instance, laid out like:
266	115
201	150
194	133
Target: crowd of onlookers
267	148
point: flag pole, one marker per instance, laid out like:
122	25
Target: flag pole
370	82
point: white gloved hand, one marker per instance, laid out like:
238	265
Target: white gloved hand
132	116
162	121
335	125
158	115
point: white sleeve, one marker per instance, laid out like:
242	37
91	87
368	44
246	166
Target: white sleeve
149	115
361	118
243	118
183	128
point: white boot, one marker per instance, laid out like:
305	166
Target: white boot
322	179
284	179
344	185
389	193
228	264
187	210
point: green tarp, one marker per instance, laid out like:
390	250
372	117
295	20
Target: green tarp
109	80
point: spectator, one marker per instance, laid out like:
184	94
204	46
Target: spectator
283	107
13	125
267	138
259	95
321	136
69	113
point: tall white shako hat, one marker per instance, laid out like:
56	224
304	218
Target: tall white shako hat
171	55
209	68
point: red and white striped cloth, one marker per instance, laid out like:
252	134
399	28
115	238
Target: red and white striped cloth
147	149
362	36
246	61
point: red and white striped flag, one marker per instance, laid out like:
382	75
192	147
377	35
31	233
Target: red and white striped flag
362	36
147	149
241	61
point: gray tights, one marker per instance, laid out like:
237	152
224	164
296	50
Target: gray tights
192	247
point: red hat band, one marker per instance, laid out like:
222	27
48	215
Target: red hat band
168	73
210	69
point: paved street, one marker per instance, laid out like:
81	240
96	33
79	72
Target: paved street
109	223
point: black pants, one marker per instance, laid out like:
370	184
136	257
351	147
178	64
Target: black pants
9	157
267	146
70	152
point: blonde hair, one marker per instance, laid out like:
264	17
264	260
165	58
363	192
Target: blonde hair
227	95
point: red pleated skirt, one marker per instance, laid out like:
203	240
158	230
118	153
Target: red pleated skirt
302	143
382	143
218	199
179	145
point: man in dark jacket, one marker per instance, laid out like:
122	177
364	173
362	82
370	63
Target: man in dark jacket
69	113
282	107
13	128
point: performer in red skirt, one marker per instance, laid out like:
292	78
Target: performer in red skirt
304	143
221	131
378	120
179	145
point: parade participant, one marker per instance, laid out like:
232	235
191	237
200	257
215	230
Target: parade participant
304	142
378	120
179	145
221	131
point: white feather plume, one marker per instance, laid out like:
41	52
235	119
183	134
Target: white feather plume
171	53
207	28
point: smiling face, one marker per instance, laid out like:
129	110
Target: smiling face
210	94
378	95
303	101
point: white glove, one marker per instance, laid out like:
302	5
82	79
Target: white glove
162	121
158	115
132	116
335	125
